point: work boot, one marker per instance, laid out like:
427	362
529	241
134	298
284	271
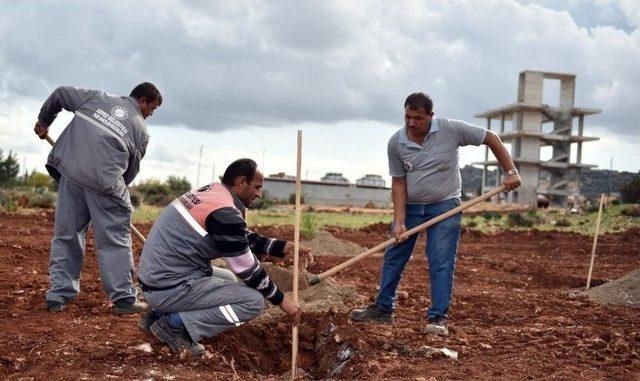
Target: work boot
147	320
55	306
128	307
437	326
177	338
372	313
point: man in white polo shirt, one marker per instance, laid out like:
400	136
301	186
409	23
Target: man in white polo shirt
423	164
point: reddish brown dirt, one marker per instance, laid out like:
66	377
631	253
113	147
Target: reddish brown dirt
515	315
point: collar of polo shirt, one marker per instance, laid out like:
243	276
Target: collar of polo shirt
404	139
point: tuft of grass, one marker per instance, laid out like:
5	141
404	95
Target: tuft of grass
518	220
564	222
146	214
631	211
309	226
471	224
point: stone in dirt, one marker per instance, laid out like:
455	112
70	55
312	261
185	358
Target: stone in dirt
428	351
300	375
624	291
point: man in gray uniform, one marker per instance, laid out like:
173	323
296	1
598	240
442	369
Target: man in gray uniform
190	299
423	164
97	155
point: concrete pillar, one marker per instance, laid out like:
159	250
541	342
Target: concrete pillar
530	87
567	92
486	159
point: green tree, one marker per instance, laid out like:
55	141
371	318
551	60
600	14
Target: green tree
178	185
9	168
154	192
630	192
38	180
263	202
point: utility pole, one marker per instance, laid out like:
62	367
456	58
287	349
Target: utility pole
610	175
24	165
199	162
213	173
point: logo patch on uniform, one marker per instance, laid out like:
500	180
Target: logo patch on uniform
407	165
119	112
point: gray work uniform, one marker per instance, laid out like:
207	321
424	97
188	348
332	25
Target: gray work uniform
97	155
175	271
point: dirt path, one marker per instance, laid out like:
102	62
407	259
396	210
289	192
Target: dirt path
515	315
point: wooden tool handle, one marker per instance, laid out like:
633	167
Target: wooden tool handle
296	255
408	233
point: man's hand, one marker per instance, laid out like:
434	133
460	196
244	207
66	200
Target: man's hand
41	130
292	309
397	231
305	253
512	182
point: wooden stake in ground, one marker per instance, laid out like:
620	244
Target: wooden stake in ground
296	253
135	231
595	242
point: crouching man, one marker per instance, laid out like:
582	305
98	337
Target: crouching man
190	300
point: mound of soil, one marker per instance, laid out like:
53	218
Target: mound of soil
624	291
324	243
326	296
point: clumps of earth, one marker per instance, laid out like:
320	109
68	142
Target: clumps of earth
326	296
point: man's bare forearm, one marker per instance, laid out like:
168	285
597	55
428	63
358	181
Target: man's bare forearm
399	197
511	180
499	151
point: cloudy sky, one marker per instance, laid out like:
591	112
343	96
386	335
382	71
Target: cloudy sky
240	77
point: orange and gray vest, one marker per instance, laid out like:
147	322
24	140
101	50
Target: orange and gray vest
180	247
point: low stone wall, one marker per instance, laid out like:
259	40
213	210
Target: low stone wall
321	193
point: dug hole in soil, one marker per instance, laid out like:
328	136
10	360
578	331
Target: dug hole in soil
518	311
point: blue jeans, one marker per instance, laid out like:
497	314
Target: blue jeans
442	246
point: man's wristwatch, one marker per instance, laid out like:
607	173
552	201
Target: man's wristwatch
513	171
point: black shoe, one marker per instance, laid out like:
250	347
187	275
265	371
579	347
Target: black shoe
372	313
178	339
54	306
437	326
128	307
147	320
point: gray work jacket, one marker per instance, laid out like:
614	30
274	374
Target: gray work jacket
102	147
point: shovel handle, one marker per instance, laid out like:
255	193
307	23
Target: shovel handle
48	138
320	277
135	231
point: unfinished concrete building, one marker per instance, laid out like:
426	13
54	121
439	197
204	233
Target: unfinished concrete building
530	125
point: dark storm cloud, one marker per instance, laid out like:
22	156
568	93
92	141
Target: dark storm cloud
224	65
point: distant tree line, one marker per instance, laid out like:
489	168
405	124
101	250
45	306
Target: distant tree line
159	193
593	182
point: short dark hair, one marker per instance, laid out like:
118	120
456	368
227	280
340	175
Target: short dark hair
148	91
240	167
419	100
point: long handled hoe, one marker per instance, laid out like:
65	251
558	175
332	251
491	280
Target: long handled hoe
315	279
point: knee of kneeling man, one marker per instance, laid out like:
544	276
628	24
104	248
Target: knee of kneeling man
256	303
